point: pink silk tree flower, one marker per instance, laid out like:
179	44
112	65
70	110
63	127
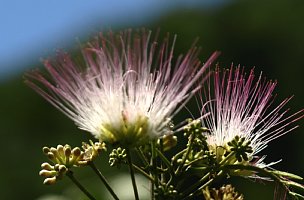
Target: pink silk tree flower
126	89
241	105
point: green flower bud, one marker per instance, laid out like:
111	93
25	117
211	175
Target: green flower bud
50	181
47	173
45	150
241	148
169	141
76	152
67	151
117	157
47	166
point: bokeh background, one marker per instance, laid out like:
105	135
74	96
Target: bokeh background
267	35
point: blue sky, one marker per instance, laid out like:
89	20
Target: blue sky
33	29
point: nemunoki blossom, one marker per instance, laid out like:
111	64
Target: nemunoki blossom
241	105
127	88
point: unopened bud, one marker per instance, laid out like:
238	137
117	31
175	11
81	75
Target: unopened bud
53	150
47	166
76	151
46	150
56	167
51	156
62	169
67	151
60	149
47	173
169	141
50	181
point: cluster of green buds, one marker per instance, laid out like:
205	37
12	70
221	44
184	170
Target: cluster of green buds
226	192
118	157
194	127
197	145
200	149
196	134
164	191
241	147
238	150
63	158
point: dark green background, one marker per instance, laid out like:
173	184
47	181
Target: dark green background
267	35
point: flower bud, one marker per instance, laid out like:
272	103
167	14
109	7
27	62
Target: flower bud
169	141
47	173
47	166
50	181
67	151
45	150
76	151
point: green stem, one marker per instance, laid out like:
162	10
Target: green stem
227	158
152	191
153	163
76	182
132	174
193	161
195	185
165	160
143	172
220	173
209	182
142	156
178	170
174	158
103	179
160	161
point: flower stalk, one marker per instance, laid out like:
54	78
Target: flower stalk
81	187
103	179
132	174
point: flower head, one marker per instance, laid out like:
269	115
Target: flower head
241	109
127	88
